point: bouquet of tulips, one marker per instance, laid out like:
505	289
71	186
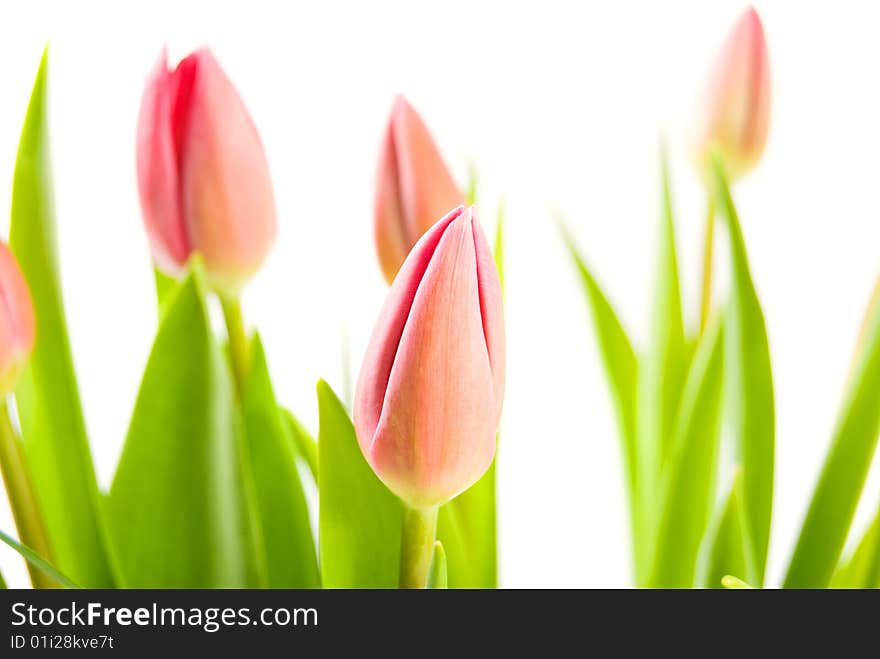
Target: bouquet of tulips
211	487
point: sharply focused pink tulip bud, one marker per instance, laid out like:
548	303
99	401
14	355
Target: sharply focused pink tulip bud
202	173
735	112
429	394
413	187
16	321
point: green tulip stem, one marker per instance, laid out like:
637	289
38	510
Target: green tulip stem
708	249
239	353
22	499
417	546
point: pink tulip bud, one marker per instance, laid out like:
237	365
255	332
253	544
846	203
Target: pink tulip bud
202	173
413	187
430	389
735	114
17	326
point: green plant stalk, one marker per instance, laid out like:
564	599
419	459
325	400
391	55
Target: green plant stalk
22	500
239	350
417	546
708	256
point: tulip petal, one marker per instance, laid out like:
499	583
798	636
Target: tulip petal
491	309
436	435
227	201
373	378
157	171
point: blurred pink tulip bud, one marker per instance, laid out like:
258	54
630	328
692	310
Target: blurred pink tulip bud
735	112
202	173
429	394
413	187
17	325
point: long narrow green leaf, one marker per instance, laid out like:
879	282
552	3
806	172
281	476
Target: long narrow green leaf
284	516
749	389
53	430
660	382
3	585
726	549
467	527
305	446
837	493
688	490
176	503
37	561
360	519
862	569
618	359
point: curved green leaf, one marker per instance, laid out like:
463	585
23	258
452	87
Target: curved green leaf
437	578
176	505
283	513
360	519
467	527
53	430
304	445
37	561
688	490
726	549
837	493
749	382
661	378
862	569
618	358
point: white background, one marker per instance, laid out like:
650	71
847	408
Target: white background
560	105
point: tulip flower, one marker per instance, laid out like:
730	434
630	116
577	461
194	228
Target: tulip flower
17	325
202	173
413	187
735	114
430	390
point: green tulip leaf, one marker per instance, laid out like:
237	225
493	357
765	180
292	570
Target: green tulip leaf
853	444
619	360
467	527
56	447
437	578
37	561
177	503
283	513
360	519
862	569
688	489
304	445
726	549
749	390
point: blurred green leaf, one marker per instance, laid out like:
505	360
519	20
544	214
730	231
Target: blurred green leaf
284	516
862	569
726	548
837	493
53	430
661	379
689	477
733	583
360	519
749	383
619	361
467	527
176	505
37	561
437	578
305	446
2	582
